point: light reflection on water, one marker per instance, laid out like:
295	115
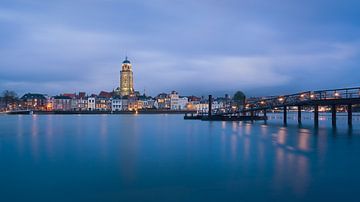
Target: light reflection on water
165	158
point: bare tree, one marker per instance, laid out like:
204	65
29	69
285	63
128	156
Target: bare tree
9	97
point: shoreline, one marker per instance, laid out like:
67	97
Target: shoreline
29	112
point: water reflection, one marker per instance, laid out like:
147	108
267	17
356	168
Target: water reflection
304	138
154	155
35	136
49	136
20	133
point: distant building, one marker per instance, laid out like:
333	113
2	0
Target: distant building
126	79
183	103
91	103
174	100
34	101
82	104
132	103
162	101
177	102
145	102
103	104
62	103
203	106
119	103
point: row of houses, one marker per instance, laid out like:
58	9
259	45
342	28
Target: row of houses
106	101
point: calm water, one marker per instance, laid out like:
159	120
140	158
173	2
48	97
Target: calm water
165	158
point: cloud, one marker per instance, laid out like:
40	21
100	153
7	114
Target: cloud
193	47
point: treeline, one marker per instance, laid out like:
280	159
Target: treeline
7	98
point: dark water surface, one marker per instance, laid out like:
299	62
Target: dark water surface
165	158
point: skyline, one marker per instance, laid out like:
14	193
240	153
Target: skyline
193	47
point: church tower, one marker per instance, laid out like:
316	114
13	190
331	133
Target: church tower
126	78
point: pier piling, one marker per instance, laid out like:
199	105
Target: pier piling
285	115
299	114
316	115
349	110
333	115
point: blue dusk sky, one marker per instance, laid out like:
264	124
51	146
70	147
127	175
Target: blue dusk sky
195	47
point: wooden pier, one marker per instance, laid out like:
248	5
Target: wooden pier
346	97
309	100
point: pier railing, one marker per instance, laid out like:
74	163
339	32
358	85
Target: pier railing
302	98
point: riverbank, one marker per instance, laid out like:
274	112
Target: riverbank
101	112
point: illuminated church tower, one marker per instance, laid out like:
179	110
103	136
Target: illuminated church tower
126	78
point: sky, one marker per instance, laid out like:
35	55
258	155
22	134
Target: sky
266	47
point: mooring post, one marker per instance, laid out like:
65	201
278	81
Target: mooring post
210	106
285	115
333	115
252	114
316	115
349	110
265	116
299	114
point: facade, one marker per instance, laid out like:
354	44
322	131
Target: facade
203	107
133	103
91	103
103	104
119	104
162	101
174	100
62	103
82	104
183	103
177	102
34	101
145	102
126	79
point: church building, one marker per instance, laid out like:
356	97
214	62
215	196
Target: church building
126	79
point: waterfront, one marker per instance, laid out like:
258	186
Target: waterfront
166	158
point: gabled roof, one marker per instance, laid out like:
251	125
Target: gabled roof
33	96
105	94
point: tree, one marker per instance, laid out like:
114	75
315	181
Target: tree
239	98
9	97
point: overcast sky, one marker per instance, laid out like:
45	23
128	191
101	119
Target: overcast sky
193	46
